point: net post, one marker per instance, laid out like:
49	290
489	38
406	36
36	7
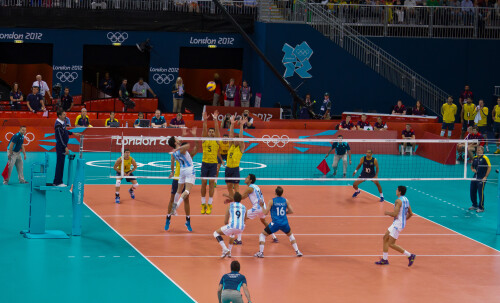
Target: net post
81	146
122	168
466	152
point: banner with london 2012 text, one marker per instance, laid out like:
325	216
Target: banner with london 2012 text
155	140
259	113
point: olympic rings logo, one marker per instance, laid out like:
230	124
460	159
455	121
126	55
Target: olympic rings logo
163	78
29	137
67	76
117	37
276	141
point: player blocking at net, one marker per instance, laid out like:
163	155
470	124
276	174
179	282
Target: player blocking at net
187	175
402	213
370	171
129	166
279	207
235	152
209	162
234	221
256	197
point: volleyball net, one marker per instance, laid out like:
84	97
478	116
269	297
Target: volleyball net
296	159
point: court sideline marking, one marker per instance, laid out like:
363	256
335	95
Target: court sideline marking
440	225
140	253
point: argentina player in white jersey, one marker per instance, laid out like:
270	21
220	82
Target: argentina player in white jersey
255	195
235	224
187	173
402	212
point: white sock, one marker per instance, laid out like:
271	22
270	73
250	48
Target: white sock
381	195
449	133
239	237
442	133
230	247
117	193
203	201
262	239
385	255
180	201
407	253
210	200
176	197
295	247
222	244
274	236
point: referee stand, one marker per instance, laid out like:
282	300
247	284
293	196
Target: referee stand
38	200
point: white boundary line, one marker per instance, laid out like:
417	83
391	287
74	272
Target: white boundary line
208	216
282	235
140	253
322	256
441	225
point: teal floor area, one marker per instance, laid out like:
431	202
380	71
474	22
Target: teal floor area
100	266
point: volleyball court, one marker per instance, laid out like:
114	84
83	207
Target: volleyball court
340	236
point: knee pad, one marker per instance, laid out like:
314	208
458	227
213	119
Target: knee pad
262	238
187	192
292	238
118	182
135	185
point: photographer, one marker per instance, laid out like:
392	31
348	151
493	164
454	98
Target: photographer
306	111
249	124
66	99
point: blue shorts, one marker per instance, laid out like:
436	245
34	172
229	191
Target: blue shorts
232	172
224	157
273	228
483	129
496	128
208	170
448	126
175	187
366	176
128	179
466	124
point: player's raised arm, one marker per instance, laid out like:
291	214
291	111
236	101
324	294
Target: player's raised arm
204	133
359	165
397	206
215	116
231	128
226	217
118	165
289	209
240	135
268	209
410	213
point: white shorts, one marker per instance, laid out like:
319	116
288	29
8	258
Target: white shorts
230	231
254	212
394	230
187	175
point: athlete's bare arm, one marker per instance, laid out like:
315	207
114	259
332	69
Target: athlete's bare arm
397	207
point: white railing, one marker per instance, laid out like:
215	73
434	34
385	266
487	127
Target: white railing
248	7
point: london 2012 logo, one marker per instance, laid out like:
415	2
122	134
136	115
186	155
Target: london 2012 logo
296	60
163	78
67	76
117	37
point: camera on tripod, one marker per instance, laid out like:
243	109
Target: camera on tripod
56	91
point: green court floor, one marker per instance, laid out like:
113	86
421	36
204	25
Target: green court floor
100	266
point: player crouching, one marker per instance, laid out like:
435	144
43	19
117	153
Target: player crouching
129	166
279	208
235	224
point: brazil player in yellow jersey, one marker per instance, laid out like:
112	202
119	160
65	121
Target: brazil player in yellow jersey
496	124
448	112
223	148
235	152
467	116
209	162
482	121
129	166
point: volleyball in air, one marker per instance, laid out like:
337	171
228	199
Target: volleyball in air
211	86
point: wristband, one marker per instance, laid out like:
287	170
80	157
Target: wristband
355	171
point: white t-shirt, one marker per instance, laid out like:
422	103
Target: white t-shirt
42	87
142	89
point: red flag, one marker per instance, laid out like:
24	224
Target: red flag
5	173
323	167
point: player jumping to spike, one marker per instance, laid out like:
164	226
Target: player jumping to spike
174	196
402	213
234	221
129	166
255	195
279	207
187	173
370	171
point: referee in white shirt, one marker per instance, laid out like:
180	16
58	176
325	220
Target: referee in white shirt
42	86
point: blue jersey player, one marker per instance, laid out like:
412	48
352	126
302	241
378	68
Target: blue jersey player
370	171
235	224
279	207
